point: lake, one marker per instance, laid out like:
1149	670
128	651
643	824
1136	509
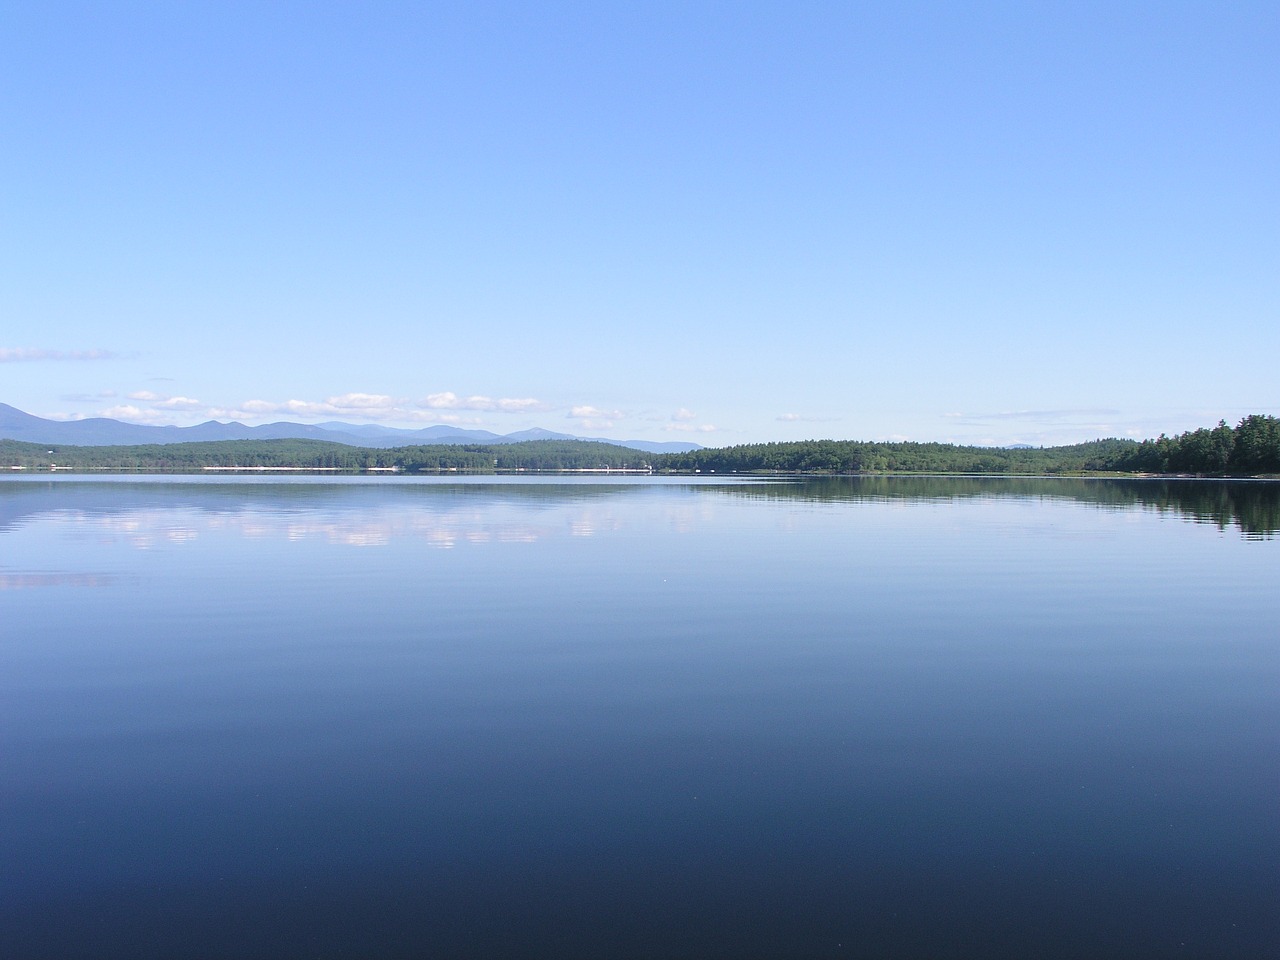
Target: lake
624	718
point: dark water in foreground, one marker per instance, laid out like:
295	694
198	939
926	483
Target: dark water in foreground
943	719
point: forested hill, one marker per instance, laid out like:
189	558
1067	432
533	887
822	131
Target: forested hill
854	456
1249	449
1252	447
325	455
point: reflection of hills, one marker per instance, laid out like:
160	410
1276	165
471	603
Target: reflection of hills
1252	506
449	509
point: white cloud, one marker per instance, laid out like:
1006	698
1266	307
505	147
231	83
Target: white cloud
134	414
160	402
682	415
230	413
347	406
260	406
368	406
800	418
22	354
179	403
1034	416
587	412
519	404
691	428
150	406
451	401
441	401
362	401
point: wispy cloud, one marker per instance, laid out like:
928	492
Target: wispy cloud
1031	416
451	401
801	418
162	402
588	412
691	427
25	355
150	406
595	418
1038	427
366	406
135	414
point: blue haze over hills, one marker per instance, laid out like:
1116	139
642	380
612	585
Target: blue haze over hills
102	431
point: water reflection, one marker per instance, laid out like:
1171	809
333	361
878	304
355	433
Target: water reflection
33	579
147	515
911	717
1250	506
370	514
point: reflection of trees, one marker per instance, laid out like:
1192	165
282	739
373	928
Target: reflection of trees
468	509
1252	506
22	500
354	514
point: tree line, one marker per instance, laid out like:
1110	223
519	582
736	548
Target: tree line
854	456
325	455
1251	448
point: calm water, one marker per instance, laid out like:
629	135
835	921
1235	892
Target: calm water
384	718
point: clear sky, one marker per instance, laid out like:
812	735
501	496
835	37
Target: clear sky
725	222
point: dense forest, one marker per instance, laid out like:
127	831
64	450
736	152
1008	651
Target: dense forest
1251	448
853	456
323	455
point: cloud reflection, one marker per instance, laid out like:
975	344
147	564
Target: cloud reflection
148	528
32	580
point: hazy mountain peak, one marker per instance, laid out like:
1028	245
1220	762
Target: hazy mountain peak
16	424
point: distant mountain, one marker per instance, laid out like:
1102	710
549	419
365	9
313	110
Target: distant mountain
359	429
104	432
537	433
648	446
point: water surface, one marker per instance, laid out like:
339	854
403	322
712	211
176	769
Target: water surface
878	718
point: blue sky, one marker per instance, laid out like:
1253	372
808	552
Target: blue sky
977	222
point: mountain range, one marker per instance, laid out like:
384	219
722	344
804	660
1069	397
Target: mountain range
105	432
